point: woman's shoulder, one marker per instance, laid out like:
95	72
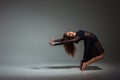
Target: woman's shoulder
80	32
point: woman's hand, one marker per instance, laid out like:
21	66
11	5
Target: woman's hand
51	42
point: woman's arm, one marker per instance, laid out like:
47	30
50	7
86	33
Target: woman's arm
58	40
76	39
52	41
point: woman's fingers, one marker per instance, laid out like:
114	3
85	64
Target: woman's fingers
51	43
51	39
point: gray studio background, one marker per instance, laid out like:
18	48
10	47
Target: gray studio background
27	25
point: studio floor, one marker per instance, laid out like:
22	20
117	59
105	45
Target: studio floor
98	71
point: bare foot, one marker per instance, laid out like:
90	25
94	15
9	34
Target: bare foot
83	66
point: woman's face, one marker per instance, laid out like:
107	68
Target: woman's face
71	34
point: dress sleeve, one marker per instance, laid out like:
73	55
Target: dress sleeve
76	39
58	40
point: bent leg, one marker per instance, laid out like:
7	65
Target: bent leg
85	64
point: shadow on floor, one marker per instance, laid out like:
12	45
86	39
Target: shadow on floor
67	67
93	68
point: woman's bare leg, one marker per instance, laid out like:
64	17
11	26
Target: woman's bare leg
85	64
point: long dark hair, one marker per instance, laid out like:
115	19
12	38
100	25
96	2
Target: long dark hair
69	47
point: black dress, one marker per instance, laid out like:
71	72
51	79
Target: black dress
92	46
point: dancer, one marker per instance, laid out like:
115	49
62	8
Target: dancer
93	50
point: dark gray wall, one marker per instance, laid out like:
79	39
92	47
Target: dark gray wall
27	25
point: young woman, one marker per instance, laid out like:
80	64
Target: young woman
93	51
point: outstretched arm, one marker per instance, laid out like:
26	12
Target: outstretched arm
52	41
60	42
